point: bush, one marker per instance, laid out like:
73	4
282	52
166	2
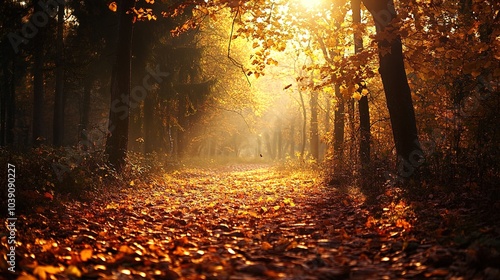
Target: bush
44	174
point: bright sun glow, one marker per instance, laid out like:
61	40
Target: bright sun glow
311	4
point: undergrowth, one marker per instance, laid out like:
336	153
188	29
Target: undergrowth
45	174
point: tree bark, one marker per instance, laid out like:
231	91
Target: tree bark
353	149
365	136
339	126
4	92
182	120
38	83
279	139
58	122
292	139
304	123
269	146
85	111
11	107
119	113
149	124
314	131
397	90
323	145
364	112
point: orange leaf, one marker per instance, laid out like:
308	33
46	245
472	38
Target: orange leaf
113	6
266	246
86	254
126	249
48	196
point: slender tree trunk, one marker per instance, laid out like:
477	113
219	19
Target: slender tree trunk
235	143
352	130
11	107
279	144
364	113
258	151
304	123
183	123
38	83
397	90
365	135
323	144
314	131
119	113
4	92
149	124
58	124
85	111
339	126
269	146
292	139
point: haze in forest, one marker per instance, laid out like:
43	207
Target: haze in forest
235	139
359	88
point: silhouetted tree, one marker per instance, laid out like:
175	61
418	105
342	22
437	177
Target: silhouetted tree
397	90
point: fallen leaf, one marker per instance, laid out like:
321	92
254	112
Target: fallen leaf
86	254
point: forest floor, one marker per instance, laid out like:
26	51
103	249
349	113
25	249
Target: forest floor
253	222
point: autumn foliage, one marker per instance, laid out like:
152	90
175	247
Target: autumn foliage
263	139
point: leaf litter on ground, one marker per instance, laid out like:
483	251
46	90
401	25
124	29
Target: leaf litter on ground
238	222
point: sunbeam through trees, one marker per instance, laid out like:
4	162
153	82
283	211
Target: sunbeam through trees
233	139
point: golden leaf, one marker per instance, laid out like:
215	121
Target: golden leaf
126	249
41	271
26	277
86	254
73	271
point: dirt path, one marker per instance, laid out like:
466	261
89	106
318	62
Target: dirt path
238	222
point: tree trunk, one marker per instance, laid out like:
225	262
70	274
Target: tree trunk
269	146
38	83
364	113
292	138
58	124
4	92
85	112
397	90
365	136
183	123
119	113
304	122
149	124
258	152
314	135
279	144
11	107
323	145
339	126
351	111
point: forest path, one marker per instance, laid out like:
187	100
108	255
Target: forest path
236	222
